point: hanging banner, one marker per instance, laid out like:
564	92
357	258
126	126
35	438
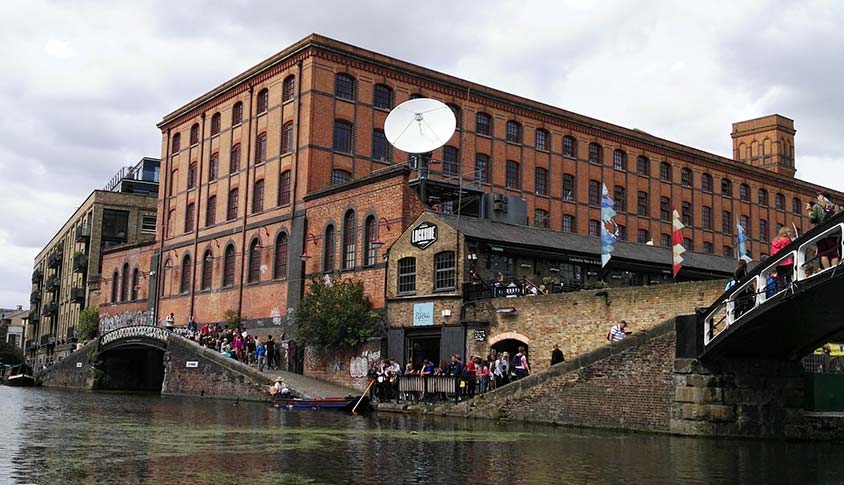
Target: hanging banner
742	242
609	229
677	242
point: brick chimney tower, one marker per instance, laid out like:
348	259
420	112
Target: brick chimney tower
766	142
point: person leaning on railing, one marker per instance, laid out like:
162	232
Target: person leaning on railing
785	268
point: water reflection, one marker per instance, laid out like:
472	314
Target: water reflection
71	437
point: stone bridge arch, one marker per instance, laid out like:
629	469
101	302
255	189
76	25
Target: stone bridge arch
132	358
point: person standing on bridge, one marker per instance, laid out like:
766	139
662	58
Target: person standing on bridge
261	354
557	355
785	268
618	332
170	322
819	212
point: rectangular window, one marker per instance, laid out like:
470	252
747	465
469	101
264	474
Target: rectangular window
541	181
795	205
665	240
115	226
511	176
342	137
450	161
344	87
569	224
258	196
665	172
744	192
726	222
689	244
284	188
213	167
594	193
189	217
642	236
148	224
483	124
763	197
779	202
569	193
745	223
763	230
642	204
619	199
665	209
686	177
444	272
383	97
542	140
706	215
540	218
231	213
594	228
728	251
708	248
211	211
481	168
514	132
594	153
619	160
643	166
686	213
569	147
380	147
407	275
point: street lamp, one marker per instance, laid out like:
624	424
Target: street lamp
310	237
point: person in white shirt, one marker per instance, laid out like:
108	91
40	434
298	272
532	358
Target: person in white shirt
618	332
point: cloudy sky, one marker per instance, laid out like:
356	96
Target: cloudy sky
84	83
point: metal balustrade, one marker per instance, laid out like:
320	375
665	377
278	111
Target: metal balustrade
753	292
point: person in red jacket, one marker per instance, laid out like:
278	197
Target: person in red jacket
785	268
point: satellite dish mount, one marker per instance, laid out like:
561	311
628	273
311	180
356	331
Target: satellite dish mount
419	127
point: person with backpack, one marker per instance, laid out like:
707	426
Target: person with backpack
520	364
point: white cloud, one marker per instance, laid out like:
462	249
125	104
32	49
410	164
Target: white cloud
84	83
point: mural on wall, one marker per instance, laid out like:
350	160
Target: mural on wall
125	319
359	365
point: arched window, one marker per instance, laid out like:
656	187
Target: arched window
595	151
483	124
287	137
216	123
350	231
619	160
263	100
665	172
228	266
207	270
211	211
686	177
763	197
194	134
329	249
344	87
213	167
254	274
569	146
370	235
444	271
382	97
115	287
407	276
542	140
284	188
343	131
184	286
643	166
339	176
124	283
726	188
514	132
280	266
135	284
189	217
234	161
192	175
779	202
458	115
168	276
795	205
744	192
706	182
261	148
237	113
177	143
288	88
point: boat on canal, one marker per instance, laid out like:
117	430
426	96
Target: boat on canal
18	376
339	403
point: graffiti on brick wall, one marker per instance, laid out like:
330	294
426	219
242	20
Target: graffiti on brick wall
359	365
275	313
125	319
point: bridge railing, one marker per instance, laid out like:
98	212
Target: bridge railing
803	258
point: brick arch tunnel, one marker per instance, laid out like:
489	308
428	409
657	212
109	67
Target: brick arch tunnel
135	366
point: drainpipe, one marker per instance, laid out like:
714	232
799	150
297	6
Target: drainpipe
196	211
159	277
295	279
245	203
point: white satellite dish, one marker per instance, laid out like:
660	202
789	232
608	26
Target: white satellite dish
420	125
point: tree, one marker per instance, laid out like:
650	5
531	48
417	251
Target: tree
233	318
335	315
10	355
89	323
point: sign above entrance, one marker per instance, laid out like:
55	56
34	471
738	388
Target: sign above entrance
423	314
424	235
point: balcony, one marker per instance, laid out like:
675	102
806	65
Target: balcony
34	317
52	284
77	295
80	263
83	233
35	297
37	275
47	340
51	308
54	260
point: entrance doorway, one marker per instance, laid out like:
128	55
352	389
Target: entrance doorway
511	346
423	347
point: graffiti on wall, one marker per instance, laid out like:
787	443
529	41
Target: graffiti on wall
276	315
125	319
359	365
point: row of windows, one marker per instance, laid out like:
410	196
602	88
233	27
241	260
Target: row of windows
253	270
348	255
262	106
445	274
121	288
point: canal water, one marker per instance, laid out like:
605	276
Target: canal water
53	436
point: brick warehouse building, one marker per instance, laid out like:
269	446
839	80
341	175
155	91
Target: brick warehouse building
284	173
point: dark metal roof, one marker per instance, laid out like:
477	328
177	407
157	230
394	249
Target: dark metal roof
548	240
